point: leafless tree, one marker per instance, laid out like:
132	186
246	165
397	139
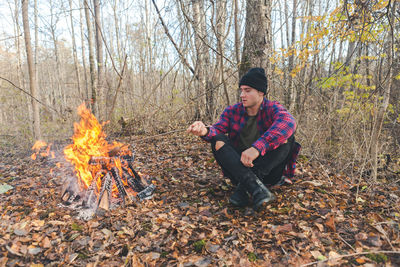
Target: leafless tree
31	67
99	53
74	52
93	76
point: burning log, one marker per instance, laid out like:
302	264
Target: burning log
109	176
104	172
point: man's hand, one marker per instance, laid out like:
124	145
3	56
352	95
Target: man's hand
248	156
197	128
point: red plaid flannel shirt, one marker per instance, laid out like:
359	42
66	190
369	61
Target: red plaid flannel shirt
274	123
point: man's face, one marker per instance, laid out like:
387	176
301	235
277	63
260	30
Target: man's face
250	96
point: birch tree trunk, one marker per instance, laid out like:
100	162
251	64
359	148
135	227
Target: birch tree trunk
31	69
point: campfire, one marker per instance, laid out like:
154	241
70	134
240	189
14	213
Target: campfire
103	172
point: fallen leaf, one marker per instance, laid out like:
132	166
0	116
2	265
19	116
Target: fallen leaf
46	242
34	250
5	188
317	255
360	260
333	258
313	183
330	223
320	227
284	228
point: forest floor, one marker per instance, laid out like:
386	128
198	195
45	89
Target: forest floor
322	219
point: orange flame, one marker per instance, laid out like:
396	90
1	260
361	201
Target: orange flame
88	142
36	148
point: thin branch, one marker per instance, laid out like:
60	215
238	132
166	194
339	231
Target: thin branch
105	44
34	98
173	42
12	37
203	41
118	88
352	255
162	134
344	241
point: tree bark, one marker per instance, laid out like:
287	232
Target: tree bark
99	53
237	43
59	78
86	96
257	40
93	77
36	37
31	69
380	115
220	35
74	51
201	55
291	96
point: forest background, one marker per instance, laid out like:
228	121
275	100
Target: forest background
150	67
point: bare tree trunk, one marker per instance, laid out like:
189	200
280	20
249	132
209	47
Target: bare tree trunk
206	68
74	51
117	32
291	96
31	68
53	22
35	12
220	34
100	61
237	43
199	20
257	40
93	78
17	41
380	115
86	96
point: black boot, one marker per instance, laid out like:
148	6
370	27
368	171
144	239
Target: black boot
240	197
257	190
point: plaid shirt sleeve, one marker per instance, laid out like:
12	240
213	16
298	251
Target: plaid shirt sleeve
221	127
282	128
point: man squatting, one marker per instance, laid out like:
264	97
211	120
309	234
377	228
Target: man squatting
260	148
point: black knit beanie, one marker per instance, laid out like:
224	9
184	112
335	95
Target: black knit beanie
256	79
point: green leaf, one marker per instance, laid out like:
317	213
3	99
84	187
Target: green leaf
378	258
252	257
199	245
321	258
76	227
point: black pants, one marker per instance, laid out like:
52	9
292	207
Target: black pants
268	168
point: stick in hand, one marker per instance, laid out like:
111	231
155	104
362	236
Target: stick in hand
198	128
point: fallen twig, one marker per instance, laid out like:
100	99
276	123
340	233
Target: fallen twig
162	134
351	255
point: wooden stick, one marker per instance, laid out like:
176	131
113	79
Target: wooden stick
162	134
351	255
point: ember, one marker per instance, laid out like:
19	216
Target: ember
104	172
